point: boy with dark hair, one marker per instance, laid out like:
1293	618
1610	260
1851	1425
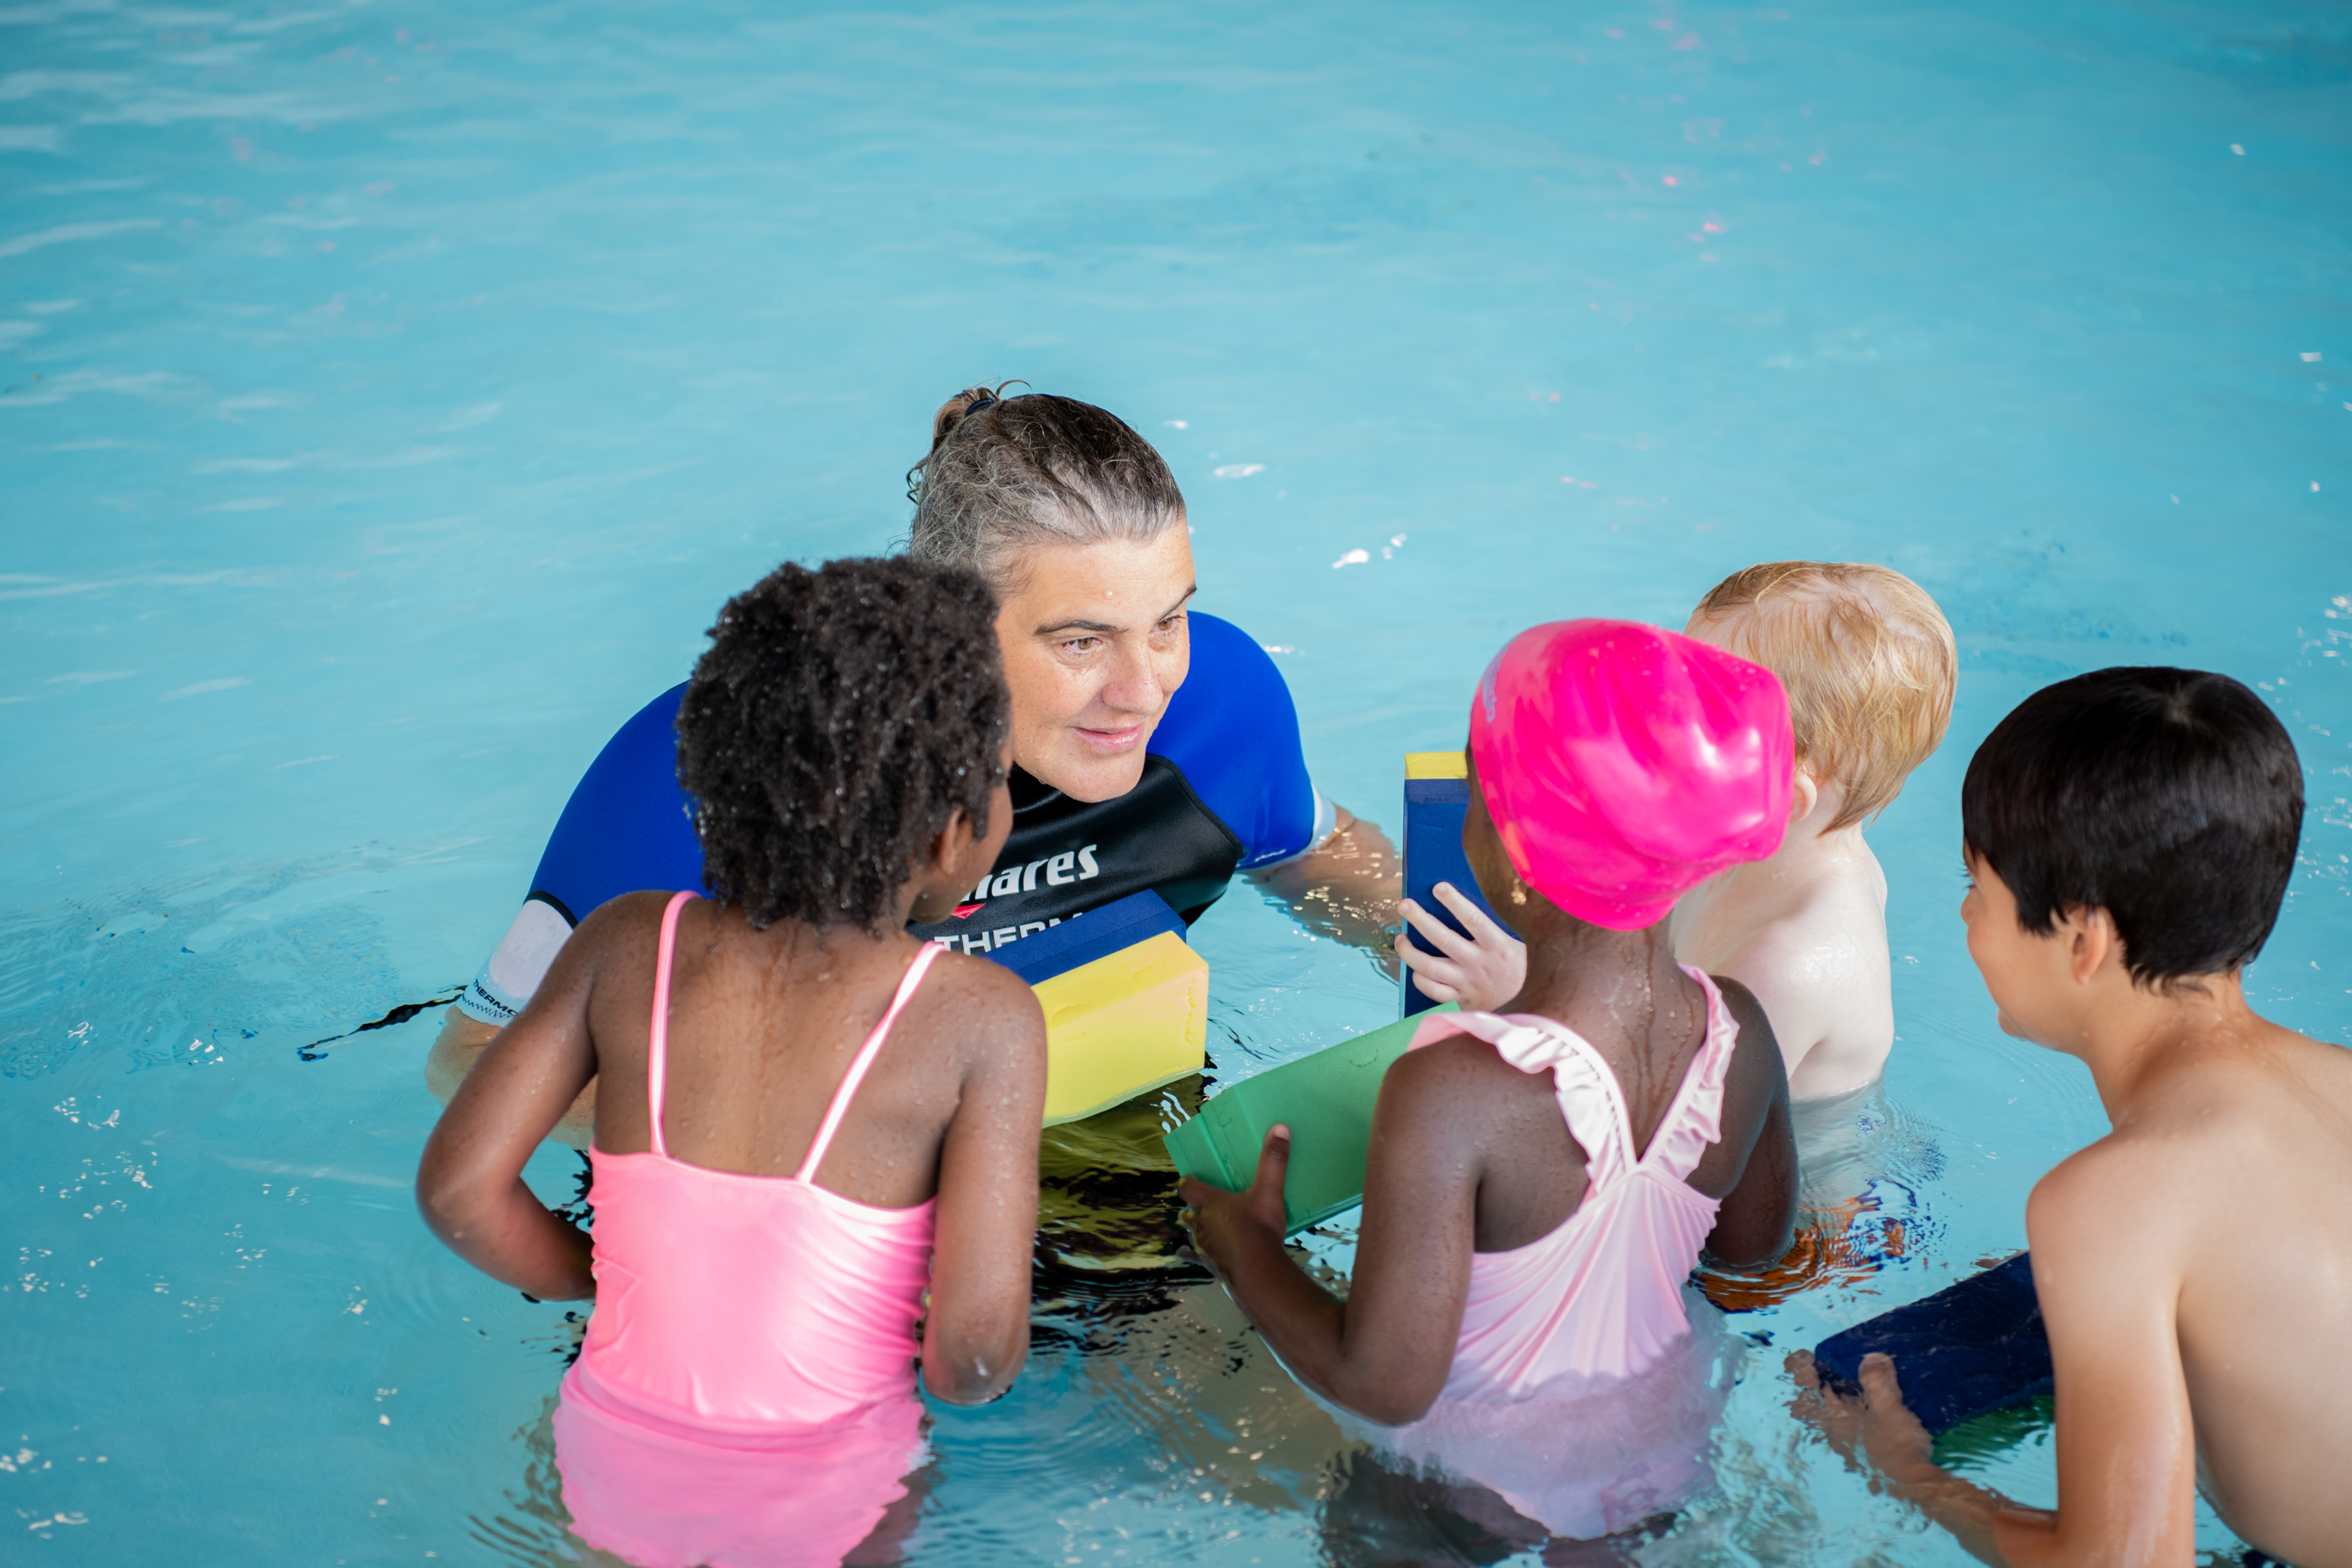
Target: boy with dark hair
2129	836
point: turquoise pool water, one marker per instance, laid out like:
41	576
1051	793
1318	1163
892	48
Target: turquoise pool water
390	393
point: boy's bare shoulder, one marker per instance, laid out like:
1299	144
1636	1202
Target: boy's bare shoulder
2148	1179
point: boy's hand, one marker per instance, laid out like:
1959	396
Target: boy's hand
1876	1423
1223	1222
1481	972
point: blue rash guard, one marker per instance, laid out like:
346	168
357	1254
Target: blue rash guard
1224	789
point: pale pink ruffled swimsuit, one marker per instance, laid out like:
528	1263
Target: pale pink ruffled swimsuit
1580	1391
745	1394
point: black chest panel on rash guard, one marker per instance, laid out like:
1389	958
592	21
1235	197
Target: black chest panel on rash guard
1066	856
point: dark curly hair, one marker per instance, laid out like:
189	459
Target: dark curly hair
838	718
1006	474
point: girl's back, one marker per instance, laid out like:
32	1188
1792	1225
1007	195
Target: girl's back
767	1157
816	1136
1606	1165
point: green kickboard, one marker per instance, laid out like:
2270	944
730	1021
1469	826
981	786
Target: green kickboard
1326	1099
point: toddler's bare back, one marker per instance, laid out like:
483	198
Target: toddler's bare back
1808	935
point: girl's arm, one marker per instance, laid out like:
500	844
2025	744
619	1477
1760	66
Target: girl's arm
1757	1223
1385	1351
976	1334
469	1186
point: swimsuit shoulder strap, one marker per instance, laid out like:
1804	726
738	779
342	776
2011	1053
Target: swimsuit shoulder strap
658	1035
1590	1101
863	1060
1695	1118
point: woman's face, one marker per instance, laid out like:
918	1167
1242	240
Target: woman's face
1095	644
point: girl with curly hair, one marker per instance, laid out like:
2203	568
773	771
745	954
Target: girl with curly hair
816	1150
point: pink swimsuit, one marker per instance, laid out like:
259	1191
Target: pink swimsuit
1580	1391
745	1394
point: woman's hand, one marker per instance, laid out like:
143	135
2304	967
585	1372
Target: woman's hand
1482	971
1224	1224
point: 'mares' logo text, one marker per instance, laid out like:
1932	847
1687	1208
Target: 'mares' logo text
1058	871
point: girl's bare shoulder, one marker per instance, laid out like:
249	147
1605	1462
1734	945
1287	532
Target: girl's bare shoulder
974	999
627	916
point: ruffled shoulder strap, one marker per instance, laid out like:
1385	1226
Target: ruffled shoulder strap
1589	1096
1586	1089
1694	1120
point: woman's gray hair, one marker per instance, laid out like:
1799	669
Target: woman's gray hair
1007	474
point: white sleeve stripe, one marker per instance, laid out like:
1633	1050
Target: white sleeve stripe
1326	823
511	976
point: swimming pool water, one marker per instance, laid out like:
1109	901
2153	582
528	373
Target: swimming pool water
390	393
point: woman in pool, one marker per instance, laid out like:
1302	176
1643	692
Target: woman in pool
1540	1183
1154	746
816	1153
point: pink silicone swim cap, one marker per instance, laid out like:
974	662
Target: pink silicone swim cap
1624	765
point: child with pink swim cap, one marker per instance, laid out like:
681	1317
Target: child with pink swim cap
1541	1182
1869	664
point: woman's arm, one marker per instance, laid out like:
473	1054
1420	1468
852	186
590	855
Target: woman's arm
1346	889
460	1045
469	1184
976	1334
1385	1351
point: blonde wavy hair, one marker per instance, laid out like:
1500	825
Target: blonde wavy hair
1866	656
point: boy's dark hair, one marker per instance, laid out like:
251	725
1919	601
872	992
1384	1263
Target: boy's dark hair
1006	474
837	720
2171	798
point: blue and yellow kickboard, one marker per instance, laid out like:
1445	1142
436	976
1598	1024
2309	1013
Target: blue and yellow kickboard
1126	1001
1327	1099
1437	799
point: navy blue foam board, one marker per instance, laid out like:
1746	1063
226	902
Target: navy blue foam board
1082	939
1973	1347
1434	813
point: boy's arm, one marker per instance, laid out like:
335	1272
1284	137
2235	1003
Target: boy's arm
976	1332
469	1184
2108	1260
1385	1351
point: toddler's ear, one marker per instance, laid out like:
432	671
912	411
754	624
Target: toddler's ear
1801	797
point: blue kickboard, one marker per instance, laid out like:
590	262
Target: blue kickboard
1974	1348
1434	813
1082	939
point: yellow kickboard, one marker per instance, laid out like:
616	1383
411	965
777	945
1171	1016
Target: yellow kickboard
1123	1025
1436	765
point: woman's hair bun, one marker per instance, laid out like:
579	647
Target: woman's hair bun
956	409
